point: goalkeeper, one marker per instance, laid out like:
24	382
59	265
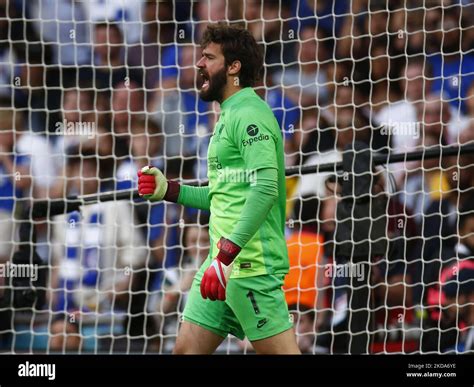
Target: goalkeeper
238	289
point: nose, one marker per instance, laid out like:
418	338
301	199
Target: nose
200	63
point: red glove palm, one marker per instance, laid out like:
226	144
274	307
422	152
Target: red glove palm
214	280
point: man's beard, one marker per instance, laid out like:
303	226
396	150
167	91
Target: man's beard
215	90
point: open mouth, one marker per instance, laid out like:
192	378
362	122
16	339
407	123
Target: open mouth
205	81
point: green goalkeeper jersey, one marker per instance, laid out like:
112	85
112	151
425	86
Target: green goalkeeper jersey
247	139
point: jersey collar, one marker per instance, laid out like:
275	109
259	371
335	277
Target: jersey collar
237	97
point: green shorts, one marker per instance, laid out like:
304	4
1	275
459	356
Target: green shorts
255	307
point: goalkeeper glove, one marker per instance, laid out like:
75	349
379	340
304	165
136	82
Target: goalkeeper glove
214	280
154	186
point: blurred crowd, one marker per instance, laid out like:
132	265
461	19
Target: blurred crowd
93	90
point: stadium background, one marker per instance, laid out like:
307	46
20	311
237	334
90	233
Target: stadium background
90	91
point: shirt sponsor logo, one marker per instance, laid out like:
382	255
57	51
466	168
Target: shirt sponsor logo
252	131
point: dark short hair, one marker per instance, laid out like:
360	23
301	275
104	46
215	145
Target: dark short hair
237	44
110	25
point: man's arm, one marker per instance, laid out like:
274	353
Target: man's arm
195	197
154	186
260	158
260	200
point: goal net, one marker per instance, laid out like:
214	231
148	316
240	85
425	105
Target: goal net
380	252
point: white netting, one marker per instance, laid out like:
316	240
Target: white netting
96	89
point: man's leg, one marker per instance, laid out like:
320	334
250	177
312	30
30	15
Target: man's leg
260	306
193	339
205	323
282	344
